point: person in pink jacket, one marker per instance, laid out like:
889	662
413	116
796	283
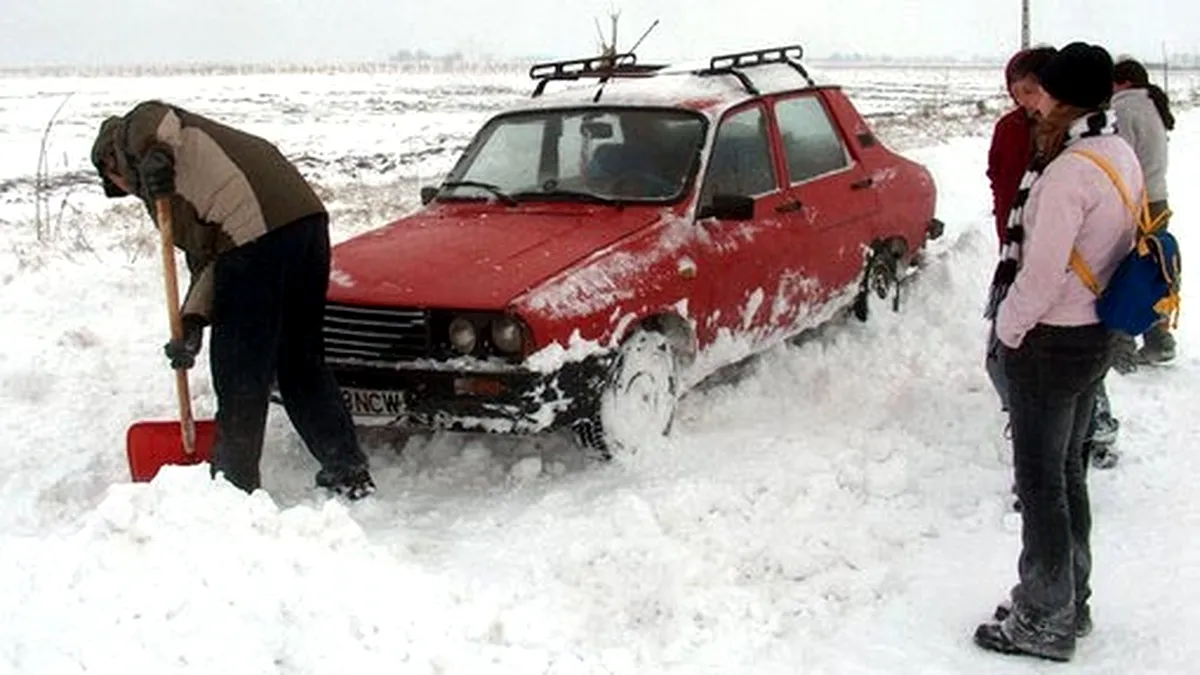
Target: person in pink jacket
1056	351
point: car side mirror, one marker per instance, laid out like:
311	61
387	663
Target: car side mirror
428	193
729	207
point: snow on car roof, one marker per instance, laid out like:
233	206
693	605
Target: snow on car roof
676	86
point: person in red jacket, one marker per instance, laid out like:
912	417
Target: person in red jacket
1012	139
1008	158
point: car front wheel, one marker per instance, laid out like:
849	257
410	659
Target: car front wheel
637	405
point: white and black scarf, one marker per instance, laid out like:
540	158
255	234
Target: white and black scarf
1098	123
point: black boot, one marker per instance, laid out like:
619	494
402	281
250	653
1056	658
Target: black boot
1083	617
1158	345
991	636
354	483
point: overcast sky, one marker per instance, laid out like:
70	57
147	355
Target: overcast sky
85	32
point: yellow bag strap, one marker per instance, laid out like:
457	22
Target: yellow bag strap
1141	218
1142	221
1085	273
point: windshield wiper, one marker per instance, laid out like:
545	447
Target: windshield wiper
564	195
500	195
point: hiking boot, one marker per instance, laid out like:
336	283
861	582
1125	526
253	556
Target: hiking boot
1083	617
353	484
1158	347
991	636
1104	455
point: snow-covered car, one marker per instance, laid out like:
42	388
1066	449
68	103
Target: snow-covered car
598	250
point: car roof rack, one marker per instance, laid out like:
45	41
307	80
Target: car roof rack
601	68
733	64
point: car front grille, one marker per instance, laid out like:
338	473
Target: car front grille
375	334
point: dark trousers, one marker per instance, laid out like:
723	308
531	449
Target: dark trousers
1053	379
268	307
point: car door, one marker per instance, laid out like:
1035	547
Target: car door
738	260
833	205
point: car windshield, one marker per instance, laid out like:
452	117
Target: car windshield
592	155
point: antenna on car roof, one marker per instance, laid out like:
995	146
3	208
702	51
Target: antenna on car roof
609	47
607	65
613	47
644	35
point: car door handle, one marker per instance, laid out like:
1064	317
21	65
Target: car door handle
790	207
863	184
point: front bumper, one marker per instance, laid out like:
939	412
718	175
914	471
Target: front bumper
497	400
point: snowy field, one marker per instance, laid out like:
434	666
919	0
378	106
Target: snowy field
841	507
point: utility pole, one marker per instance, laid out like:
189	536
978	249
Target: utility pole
1024	24
1166	68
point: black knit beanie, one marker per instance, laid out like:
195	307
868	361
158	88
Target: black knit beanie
1080	75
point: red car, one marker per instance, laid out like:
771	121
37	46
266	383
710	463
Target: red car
598	250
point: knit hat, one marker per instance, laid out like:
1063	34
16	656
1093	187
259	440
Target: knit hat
104	150
1027	62
1080	75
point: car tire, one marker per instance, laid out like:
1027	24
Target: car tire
637	405
879	279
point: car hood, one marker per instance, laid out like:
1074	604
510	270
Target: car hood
462	259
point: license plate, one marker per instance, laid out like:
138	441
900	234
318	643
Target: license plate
373	402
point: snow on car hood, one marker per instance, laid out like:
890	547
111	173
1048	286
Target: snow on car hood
467	257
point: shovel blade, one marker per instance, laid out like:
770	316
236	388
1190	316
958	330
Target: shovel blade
153	445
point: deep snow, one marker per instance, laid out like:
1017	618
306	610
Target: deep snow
840	507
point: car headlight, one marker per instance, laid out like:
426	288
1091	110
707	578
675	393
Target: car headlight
463	335
507	336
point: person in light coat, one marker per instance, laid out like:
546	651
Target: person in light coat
1056	351
1144	117
1010	154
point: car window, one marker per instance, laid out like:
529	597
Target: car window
503	159
577	146
613	153
741	158
811	144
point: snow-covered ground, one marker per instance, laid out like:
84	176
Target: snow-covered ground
842	507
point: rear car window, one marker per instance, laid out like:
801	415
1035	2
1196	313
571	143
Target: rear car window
741	157
812	145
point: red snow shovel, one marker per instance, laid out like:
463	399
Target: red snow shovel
152	445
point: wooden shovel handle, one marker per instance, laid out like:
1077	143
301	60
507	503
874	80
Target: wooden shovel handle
187	423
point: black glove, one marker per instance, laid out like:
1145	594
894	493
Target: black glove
157	173
182	352
1124	354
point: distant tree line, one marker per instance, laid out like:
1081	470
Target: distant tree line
1179	60
153	70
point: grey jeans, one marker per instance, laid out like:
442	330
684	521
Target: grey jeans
1053	378
994	364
